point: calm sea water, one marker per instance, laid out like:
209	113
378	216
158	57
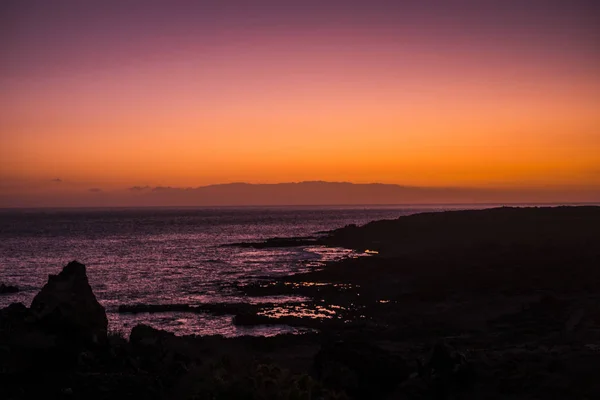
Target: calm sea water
160	256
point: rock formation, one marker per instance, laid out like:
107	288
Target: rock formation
7	289
67	306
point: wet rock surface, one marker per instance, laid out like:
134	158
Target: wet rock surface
209	308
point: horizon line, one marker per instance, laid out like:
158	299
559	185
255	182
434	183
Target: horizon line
348	205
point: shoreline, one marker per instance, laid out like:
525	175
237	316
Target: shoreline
495	303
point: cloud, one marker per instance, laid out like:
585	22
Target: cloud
95	190
57	180
139	188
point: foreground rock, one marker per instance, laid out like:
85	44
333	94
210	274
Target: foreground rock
67	306
59	347
64	320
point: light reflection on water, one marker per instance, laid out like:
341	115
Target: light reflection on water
301	311
341	286
157	256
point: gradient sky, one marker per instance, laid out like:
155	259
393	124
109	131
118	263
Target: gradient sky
109	94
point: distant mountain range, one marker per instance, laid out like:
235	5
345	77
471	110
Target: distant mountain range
301	193
323	193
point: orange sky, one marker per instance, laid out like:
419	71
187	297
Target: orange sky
128	101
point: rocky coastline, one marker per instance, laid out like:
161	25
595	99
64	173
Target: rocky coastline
498	303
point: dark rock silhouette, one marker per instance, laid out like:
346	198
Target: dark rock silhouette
66	305
500	227
279	242
7	289
63	321
15	317
144	335
210	308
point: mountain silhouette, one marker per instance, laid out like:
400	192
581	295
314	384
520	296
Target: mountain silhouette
317	193
335	193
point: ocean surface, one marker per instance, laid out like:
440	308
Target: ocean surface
166	256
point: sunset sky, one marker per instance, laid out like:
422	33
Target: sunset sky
105	95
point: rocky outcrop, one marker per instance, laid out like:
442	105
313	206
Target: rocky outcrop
279	242
8	289
64	321
209	308
66	306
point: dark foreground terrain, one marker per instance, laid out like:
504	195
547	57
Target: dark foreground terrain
489	304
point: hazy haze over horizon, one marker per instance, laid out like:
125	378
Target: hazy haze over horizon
290	194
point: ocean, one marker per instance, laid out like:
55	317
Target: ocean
166	256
